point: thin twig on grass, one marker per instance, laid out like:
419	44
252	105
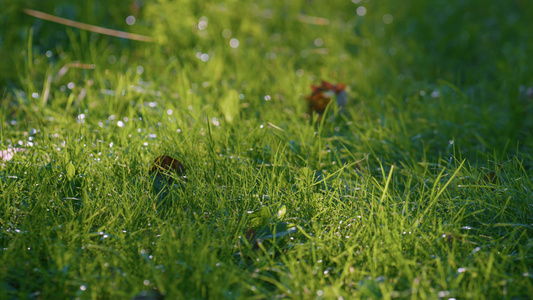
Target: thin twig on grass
88	27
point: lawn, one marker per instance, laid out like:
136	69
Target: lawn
420	187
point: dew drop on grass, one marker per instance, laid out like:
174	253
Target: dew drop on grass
130	20
202	25
387	19
226	33
443	294
234	43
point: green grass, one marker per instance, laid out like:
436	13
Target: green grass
384	199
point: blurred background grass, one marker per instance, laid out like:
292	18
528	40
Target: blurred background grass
456	70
